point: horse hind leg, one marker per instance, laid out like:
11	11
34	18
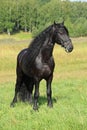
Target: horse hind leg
23	94
30	89
30	86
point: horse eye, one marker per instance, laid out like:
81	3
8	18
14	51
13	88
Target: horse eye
61	32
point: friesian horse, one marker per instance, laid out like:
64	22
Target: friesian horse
36	62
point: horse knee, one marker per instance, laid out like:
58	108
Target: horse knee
49	92
36	95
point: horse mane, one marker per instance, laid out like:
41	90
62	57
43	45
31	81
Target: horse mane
36	44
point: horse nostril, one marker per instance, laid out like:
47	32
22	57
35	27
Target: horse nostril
71	48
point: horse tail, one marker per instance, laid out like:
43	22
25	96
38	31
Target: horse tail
19	58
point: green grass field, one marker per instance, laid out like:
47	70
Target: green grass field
69	90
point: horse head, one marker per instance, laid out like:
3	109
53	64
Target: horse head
61	36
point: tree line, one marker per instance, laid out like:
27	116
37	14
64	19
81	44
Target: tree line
35	15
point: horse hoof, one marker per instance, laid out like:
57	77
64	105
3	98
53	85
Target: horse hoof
31	102
35	108
12	104
50	105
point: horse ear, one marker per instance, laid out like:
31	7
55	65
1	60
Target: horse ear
54	22
62	22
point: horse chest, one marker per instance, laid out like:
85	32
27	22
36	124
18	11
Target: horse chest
43	70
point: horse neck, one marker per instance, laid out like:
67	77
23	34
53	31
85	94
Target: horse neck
47	50
39	46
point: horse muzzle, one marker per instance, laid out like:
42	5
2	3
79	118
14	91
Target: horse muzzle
68	46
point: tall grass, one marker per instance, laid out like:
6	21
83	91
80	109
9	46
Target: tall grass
69	92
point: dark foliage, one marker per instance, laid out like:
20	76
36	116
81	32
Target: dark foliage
34	16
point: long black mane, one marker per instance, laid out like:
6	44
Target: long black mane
37	43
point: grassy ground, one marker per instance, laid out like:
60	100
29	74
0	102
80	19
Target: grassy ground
69	90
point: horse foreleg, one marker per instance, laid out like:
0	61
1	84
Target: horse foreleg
49	91
36	95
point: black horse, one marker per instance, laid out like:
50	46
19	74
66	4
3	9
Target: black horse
36	62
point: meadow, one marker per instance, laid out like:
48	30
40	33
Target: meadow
69	89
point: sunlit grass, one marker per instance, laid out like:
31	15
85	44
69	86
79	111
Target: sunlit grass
73	65
69	91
